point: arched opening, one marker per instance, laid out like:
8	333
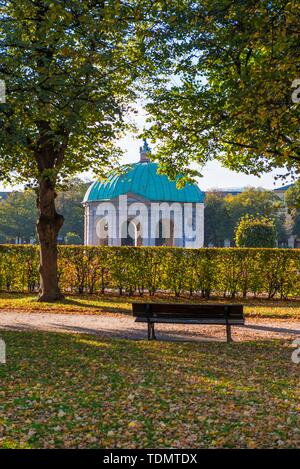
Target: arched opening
128	234
131	234
164	233
102	232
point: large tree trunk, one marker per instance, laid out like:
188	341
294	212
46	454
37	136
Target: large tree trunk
48	226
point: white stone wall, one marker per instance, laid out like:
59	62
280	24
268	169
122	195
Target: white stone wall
187	221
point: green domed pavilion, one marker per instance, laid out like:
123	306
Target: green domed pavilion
110	204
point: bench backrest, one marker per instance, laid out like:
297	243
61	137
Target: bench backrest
187	311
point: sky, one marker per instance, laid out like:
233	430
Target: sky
214	175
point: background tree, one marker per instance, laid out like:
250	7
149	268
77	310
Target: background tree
292	197
73	238
257	232
230	92
69	66
296	225
292	200
223	213
18	215
69	204
2	238
256	203
217	223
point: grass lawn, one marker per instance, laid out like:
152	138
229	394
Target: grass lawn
63	390
92	304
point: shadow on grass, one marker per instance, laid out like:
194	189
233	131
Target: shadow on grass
115	333
129	332
90	392
102	305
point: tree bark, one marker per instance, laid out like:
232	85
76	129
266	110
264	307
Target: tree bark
48	226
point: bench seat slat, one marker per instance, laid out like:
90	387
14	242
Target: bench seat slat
188	314
191	321
181	306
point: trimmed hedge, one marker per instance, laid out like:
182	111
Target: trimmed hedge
229	272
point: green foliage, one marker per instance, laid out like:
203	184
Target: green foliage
228	272
72	238
255	203
19	268
217	222
2	238
296	226
292	200
69	204
255	232
230	95
69	67
292	196
18	215
223	214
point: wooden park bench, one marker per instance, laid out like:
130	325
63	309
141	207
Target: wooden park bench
176	313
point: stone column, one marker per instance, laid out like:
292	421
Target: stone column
198	240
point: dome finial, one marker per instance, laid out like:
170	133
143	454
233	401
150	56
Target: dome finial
145	151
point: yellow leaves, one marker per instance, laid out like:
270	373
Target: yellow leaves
94	343
251	444
65	51
134	424
207	396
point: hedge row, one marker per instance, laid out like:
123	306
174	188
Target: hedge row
223	271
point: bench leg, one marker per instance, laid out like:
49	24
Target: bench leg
153	331
228	333
149	330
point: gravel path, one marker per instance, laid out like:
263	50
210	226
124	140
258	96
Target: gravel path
125	327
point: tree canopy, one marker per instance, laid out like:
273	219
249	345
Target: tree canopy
255	232
292	197
230	92
217	222
69	204
256	203
219	80
292	200
224	212
69	68
18	215
73	238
